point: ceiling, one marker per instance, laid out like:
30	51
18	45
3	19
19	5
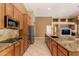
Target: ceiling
53	9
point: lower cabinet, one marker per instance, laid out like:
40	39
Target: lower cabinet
54	48
26	44
17	48
8	52
21	47
60	53
48	41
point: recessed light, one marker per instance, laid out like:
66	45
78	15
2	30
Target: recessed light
49	8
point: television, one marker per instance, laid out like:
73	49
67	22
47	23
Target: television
65	31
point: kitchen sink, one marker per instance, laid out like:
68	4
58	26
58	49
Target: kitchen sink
54	36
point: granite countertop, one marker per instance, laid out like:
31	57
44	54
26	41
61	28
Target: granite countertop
4	46
69	44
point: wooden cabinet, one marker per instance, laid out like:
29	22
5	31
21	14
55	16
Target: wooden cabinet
26	44
60	53
20	18
54	48
13	12
9	9
16	13
2	13
63	50
25	32
48	42
25	25
21	47
8	52
17	48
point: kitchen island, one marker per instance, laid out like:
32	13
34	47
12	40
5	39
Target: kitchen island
62	47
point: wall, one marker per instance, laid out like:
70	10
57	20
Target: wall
40	23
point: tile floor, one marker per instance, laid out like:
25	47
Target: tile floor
39	48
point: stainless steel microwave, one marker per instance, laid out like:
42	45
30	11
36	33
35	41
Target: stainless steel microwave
10	23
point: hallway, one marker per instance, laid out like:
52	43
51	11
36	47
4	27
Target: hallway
39	48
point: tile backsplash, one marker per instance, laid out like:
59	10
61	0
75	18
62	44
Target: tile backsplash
8	33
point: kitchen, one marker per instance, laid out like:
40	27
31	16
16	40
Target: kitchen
23	33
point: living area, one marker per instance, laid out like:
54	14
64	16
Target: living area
63	37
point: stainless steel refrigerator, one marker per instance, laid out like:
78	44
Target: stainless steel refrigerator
31	34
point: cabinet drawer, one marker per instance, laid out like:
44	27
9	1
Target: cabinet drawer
64	51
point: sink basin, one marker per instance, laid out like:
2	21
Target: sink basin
54	36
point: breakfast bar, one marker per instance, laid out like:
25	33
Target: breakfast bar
62	47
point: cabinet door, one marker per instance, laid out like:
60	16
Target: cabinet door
2	15
28	43
64	51
25	44
49	43
54	48
60	53
9	9
17	49
16	13
21	20
22	49
8	52
25	25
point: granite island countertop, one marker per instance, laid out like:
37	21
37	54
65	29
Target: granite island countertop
70	45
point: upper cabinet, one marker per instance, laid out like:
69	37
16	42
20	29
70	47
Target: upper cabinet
16	13
20	18
9	10
2	15
25	25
